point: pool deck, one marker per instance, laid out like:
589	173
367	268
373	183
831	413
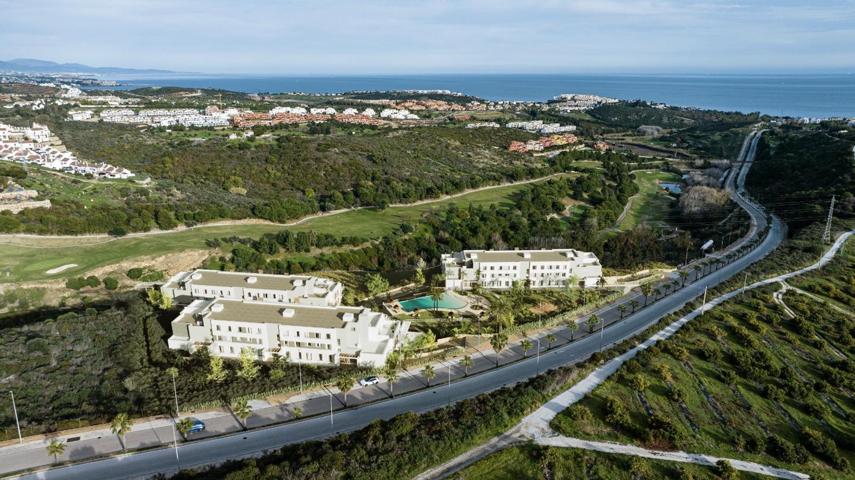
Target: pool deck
395	308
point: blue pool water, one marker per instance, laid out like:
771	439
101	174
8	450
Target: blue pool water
449	302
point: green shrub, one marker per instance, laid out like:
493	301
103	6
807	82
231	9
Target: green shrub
111	283
135	273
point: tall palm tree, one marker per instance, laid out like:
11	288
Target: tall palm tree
572	327
344	383
436	295
675	285
697	269
56	448
592	323
391	373
646	290
550	339
429	373
184	425
498	341
683	276
622	309
500	311
120	426
467	364
242	410
526	346
634	304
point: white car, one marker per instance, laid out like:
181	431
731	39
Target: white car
372	380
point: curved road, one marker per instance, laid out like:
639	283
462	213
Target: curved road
245	444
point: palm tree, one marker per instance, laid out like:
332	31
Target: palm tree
572	327
184	425
550	339
467	364
498	341
592	323
436	295
242	410
656	293
344	383
500	311
120	426
697	269
391	373
526	346
675	285
429	373
622	309
646	290
666	288
634	304
683	276
56	448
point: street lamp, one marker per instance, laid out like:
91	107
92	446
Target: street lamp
448	388
17	423
173	372
331	407
602	327
537	339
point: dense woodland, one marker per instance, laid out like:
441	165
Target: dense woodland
798	170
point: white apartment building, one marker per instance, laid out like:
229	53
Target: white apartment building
500	269
255	287
322	335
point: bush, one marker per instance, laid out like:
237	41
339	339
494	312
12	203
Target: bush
135	273
111	283
75	283
785	451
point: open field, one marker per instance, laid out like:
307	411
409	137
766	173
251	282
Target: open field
28	258
651	203
746	380
533	462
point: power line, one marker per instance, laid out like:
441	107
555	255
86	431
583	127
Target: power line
826	236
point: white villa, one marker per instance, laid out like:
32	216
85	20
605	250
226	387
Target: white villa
500	269
257	287
302	334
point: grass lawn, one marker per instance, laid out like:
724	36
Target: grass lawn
535	462
651	203
27	259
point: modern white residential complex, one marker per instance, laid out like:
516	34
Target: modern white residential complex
296	317
499	269
257	287
302	334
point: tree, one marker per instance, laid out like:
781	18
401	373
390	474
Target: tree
436	295
376	284
725	470
153	295
184	425
429	373
639	383
550	339
55	448
683	276
526	346
419	277
218	372
120	426
242	411
248	367
634	304
572	327
622	310
498	341
111	283
592	323
390	371
500	312
467	364
344	383
165	302
646	290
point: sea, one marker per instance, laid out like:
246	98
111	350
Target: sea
815	96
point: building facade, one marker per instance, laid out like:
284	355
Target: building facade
320	335
257	287
500	269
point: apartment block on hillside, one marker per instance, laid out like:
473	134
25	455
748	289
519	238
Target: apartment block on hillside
257	287
322	335
500	269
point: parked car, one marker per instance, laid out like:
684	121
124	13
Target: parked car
372	380
197	426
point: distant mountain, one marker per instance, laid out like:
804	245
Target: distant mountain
33	65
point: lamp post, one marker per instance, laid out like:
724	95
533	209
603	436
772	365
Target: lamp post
17	423
173	373
448	388
331	407
537	339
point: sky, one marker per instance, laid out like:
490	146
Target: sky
304	37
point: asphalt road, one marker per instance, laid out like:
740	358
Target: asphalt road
243	444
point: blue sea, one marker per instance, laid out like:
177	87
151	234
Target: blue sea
830	95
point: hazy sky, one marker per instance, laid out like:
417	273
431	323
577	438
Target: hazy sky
424	36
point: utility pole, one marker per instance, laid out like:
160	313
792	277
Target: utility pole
826	235
17	423
175	422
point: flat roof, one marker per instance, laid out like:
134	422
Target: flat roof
264	281
534	255
304	316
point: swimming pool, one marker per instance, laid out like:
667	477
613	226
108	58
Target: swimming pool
448	302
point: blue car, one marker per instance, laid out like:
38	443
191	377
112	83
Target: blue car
197	426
